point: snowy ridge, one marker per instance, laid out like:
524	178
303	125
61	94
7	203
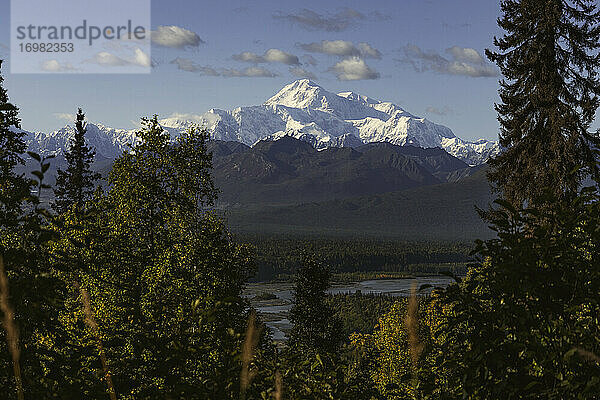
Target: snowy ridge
108	142
303	110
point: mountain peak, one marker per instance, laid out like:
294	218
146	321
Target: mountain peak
302	93
304	82
305	94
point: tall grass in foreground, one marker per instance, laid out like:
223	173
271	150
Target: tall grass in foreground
12	334
412	329
248	351
412	326
250	343
278	386
93	325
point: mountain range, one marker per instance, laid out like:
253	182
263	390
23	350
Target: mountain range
303	110
289	170
312	162
374	190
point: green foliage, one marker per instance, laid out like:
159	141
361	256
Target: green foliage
357	312
549	57
517	325
323	377
33	291
164	277
75	185
391	367
315	328
317	365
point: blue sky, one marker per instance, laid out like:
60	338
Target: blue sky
423	55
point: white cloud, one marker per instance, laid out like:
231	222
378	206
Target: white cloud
175	37
276	55
185	64
142	59
342	48
55	66
64	116
270	56
354	69
187	117
247	56
302	73
366	50
465	54
106	59
462	61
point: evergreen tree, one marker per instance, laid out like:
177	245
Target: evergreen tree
14	188
33	291
74	186
523	323
549	58
315	330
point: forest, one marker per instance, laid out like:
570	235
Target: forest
133	289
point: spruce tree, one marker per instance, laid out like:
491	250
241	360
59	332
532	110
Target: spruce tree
315	330
34	291
14	188
75	185
549	58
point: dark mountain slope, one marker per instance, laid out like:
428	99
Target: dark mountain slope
289	171
440	212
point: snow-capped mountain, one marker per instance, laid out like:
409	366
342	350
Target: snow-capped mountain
108	142
303	110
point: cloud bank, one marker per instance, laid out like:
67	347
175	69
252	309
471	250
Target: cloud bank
354	69
270	56
460	61
55	66
175	37
185	64
106	59
342	48
64	116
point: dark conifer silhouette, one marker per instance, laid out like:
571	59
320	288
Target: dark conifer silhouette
316	330
549	58
75	185
14	188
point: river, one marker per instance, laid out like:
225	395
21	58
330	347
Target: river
275	311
